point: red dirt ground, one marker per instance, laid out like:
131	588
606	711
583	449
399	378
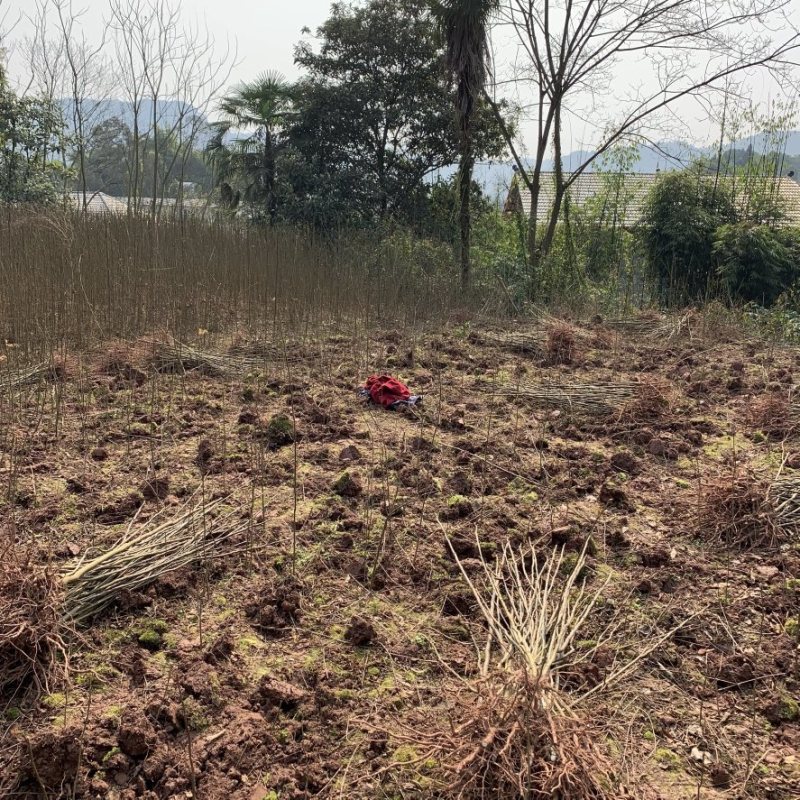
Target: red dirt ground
282	676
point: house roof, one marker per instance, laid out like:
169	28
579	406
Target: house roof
98	203
627	196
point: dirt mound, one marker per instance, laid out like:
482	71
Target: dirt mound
275	607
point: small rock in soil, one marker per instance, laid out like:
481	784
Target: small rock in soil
221	649
615	497
460	483
275	609
205	452
77	486
54	757
458	604
736	385
247	417
735	672
458	507
155	488
793	461
720	777
655	558
642	437
464	546
694	437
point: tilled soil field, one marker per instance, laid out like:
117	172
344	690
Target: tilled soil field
331	642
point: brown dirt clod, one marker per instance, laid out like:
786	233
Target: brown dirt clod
625	462
360	632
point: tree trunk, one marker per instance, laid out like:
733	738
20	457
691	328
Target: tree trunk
533	217
543	137
153	204
269	176
558	191
464	218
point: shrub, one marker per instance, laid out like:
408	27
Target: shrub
681	216
756	263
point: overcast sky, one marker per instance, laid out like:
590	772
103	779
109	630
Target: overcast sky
265	32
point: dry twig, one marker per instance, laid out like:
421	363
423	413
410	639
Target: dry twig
23	377
738	512
163	545
179	357
591	399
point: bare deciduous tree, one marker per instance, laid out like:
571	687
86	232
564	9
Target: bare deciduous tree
88	79
571	51
162	60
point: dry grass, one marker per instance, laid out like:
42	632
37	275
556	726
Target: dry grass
774	414
737	511
651	401
562	345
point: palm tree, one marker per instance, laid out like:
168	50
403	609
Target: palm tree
244	166
465	28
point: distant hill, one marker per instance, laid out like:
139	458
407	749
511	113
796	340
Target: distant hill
168	113
496	177
762	141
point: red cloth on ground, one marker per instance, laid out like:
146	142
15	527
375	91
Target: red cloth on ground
386	390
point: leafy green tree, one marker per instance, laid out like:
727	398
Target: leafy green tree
440	208
373	114
757	263
247	142
107	158
465	29
680	219
32	141
108	155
